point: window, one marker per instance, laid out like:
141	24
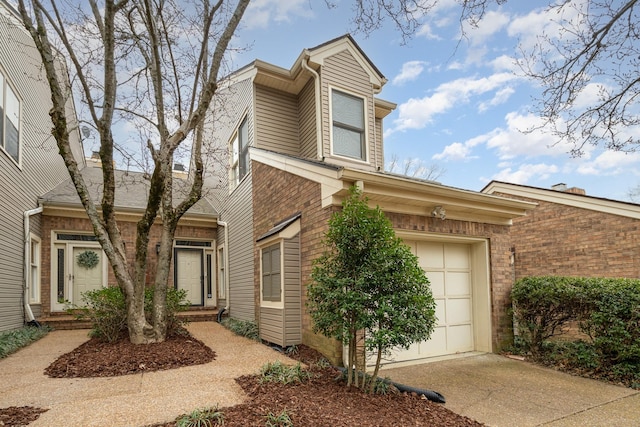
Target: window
240	154
34	271
271	277
9	120
348	125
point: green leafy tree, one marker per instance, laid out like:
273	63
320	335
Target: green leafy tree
368	286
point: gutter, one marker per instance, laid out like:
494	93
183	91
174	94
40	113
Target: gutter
226	266
316	80
25	283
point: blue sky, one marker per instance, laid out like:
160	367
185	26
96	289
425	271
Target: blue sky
461	105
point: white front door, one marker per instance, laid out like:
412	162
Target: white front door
188	265
78	265
86	274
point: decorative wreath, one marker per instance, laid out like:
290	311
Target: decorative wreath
88	259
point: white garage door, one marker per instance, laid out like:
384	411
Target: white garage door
448	267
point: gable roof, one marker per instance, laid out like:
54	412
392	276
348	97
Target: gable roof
132	189
583	201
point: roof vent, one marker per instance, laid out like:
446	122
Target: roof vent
178	167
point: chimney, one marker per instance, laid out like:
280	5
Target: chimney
573	190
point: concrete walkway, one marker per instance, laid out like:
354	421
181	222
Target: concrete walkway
130	400
503	392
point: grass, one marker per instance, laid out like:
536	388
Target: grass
206	417
281	420
12	341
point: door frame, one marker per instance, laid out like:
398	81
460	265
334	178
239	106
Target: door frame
206	248
68	246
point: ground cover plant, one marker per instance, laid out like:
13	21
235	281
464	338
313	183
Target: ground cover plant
12	341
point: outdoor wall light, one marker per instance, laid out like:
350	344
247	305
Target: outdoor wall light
439	212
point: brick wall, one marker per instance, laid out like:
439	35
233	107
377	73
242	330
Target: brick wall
278	195
556	239
128	231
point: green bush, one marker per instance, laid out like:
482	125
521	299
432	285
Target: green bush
105	308
12	341
606	310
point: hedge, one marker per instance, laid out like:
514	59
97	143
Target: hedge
606	310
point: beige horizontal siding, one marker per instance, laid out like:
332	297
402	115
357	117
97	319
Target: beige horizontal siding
277	121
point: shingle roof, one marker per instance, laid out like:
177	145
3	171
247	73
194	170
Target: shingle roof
132	189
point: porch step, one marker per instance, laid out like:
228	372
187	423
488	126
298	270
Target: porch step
66	321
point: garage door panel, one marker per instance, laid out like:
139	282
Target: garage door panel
441	311
436	344
457	256
460	338
436	279
430	255
458	311
458	283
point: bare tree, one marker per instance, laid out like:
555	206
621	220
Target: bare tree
154	62
415	168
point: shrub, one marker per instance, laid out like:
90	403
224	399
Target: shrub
12	341
207	417
244	328
543	306
283	374
105	308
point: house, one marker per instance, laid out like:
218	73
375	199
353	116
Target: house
570	233
29	167
67	234
290	143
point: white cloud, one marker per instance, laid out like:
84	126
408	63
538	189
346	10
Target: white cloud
505	63
416	113
410	71
261	13
525	173
500	97
493	22
427	32
455	152
610	163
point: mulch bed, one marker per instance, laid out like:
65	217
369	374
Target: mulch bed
322	401
100	359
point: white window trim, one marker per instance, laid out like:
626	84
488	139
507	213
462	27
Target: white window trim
34	288
366	125
273	304
235	181
8	83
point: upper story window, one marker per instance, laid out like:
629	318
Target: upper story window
9	120
240	153
348	120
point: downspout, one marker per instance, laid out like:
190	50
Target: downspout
25	283
319	133
227	294
376	91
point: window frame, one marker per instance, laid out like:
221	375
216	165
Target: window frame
270	247
35	268
5	87
222	279
239	153
364	141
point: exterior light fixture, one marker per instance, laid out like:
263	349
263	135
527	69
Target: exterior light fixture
439	212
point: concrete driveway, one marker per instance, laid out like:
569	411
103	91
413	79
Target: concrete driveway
503	392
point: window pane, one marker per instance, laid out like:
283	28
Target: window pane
244	134
348	110
12	123
347	143
1	111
